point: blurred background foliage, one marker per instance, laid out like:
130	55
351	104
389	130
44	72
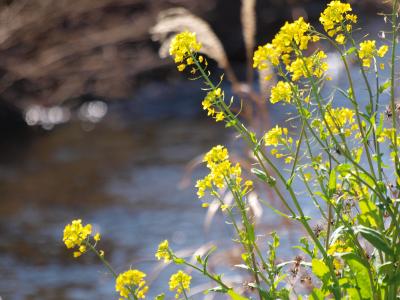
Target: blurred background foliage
57	50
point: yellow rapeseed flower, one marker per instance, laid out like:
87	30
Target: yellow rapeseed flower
367	52
282	91
210	102
182	47
274	136
163	252
265	54
387	133
221	171
339	247
338	118
216	155
179	282
75	233
131	281
291	36
97	237
308	66
336	18
382	50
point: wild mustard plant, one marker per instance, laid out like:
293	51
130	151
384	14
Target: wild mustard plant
346	158
129	284
180	282
337	155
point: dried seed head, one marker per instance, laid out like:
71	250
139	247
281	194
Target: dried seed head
305	278
318	229
389	113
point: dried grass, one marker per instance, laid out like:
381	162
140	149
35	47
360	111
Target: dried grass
54	50
175	20
248	19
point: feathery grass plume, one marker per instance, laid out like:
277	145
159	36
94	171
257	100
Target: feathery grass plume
248	19
175	20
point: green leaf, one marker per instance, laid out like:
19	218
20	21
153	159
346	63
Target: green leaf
263	176
235	296
199	260
368	214
350	51
217	289
353	293
317	294
160	297
179	261
320	269
367	178
278	212
336	234
375	238
386	268
360	273
368	108
358	154
343	169
213	248
384	86
380	126
332	182
230	123
262	292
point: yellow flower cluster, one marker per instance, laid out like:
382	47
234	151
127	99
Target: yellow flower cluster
221	171
290	36
308	66
388	133
131	281
179	282
275	136
339	247
368	51
337	20
338	120
282	91
163	252
279	136
183	46
209	104
77	236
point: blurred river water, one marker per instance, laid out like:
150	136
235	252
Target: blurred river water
122	178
